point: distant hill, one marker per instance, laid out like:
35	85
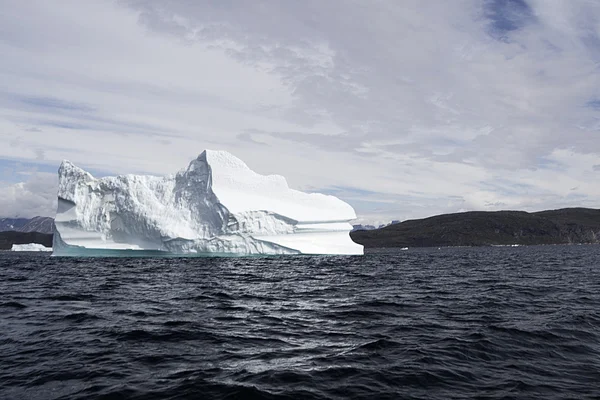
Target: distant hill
480	228
35	224
7	239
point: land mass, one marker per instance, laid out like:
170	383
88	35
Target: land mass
474	228
35	224
7	239
481	228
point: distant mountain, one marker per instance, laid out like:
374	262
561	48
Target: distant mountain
39	224
35	224
479	228
360	227
12	224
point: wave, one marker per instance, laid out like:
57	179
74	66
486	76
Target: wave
425	324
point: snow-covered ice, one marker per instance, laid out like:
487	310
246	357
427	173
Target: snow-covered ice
30	247
217	206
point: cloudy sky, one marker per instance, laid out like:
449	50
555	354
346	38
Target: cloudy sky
403	108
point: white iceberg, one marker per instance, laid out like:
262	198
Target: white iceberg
216	207
30	247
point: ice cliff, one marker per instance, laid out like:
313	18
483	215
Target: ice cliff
217	206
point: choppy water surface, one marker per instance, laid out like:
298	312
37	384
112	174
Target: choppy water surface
450	323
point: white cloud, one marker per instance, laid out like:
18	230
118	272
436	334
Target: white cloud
36	196
419	108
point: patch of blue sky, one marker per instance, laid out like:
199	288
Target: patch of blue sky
347	190
61	125
546	163
13	170
575	195
506	16
65	114
51	103
366	206
507	187
594	104
94	123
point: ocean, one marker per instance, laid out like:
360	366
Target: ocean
449	323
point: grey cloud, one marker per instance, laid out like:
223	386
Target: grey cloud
341	142
247	137
415	69
477	104
40	154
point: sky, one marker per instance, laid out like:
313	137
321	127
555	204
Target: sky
404	109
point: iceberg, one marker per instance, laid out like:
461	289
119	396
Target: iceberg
217	206
30	247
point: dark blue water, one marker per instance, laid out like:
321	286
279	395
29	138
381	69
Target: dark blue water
424	324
